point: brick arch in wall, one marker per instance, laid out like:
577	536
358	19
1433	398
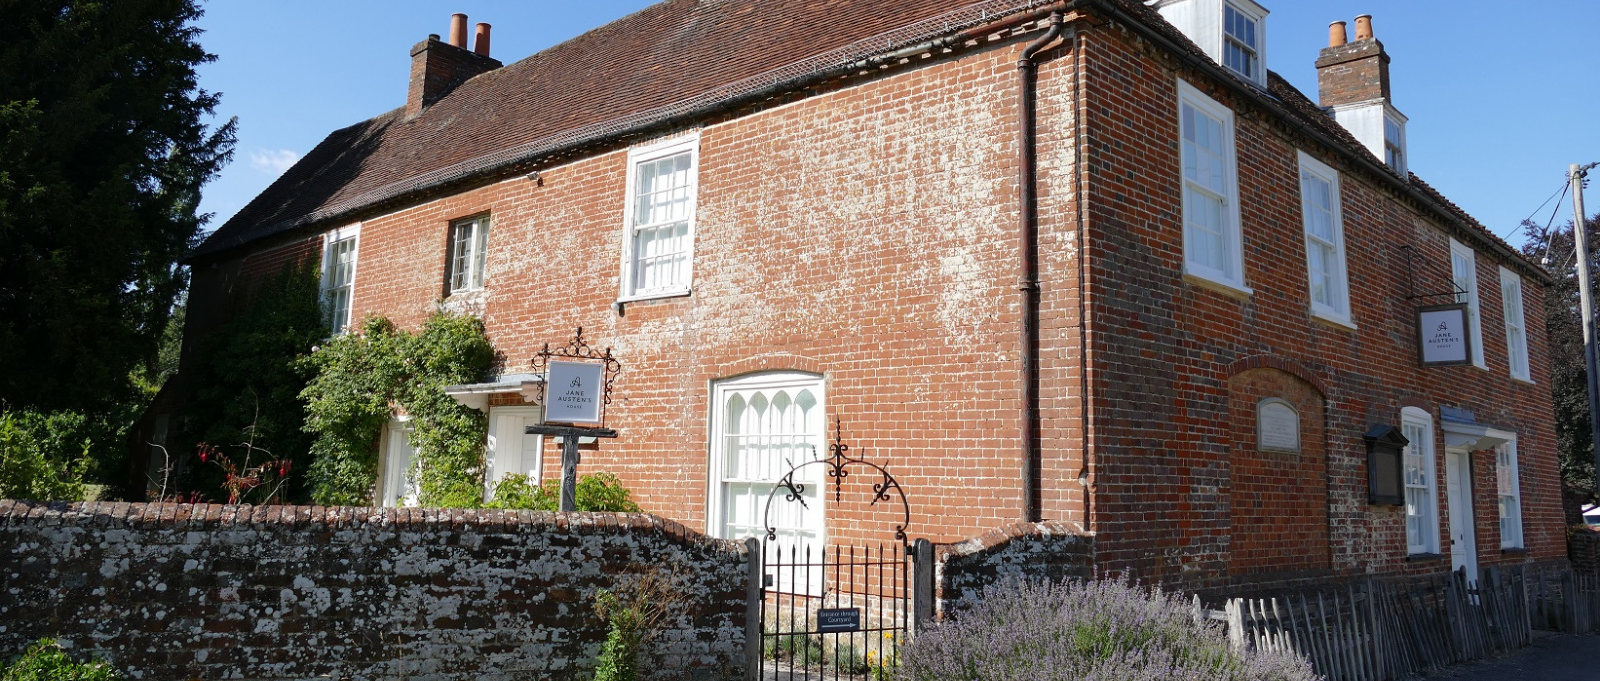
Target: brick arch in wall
777	361
1278	498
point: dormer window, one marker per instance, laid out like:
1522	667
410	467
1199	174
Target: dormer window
1240	51
1394	144
1232	32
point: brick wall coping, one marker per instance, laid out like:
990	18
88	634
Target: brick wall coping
192	516
1008	533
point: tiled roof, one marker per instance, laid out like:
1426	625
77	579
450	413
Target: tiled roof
650	62
668	60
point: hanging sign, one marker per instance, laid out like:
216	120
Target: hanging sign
573	392
1443	336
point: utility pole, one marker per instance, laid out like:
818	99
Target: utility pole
1586	306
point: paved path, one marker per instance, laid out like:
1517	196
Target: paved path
1550	658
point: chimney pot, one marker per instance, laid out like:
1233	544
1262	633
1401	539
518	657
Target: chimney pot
1364	27
1337	34
480	42
458	30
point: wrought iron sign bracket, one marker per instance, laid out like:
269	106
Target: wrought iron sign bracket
1411	279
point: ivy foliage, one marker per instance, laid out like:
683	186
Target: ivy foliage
248	376
358	380
600	492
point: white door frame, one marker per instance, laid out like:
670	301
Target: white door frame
394	485
502	444
1463	527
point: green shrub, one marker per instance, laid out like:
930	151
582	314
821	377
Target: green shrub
1106	630
358	378
634	614
46	661
599	492
43	456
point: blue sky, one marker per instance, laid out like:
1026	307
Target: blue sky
1501	96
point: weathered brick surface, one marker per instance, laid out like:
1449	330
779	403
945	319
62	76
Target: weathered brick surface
847	234
1051	551
1168	447
864	230
168	591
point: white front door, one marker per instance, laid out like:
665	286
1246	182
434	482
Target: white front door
511	449
1463	540
396	485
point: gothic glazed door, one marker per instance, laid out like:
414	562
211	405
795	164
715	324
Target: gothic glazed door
1463	538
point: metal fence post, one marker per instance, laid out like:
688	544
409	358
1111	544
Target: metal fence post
755	593
922	585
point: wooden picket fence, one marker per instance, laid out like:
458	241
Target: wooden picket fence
1377	631
1564	600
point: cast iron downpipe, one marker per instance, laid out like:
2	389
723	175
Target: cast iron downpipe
1028	228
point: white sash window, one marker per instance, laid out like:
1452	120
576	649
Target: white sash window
1212	244
1422	488
658	246
339	275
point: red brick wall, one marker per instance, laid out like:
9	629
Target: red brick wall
852	234
1160	348
1278	500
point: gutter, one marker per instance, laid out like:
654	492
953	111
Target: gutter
1028	237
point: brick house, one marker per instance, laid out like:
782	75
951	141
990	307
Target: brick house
1086	262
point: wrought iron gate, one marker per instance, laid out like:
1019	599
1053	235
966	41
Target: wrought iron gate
837	610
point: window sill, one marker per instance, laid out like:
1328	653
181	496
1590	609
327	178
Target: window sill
654	296
1424	557
1524	381
1227	288
1515	551
1340	322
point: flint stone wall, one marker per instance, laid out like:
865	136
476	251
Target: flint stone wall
170	591
1050	551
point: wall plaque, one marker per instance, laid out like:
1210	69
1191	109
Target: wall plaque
1443	335
1386	448
1277	426
573	392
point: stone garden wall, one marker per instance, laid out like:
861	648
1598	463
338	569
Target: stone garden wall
168	591
1052	551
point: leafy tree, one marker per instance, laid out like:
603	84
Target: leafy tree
1563	326
103	151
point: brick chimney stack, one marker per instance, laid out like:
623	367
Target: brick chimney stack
438	67
1353	72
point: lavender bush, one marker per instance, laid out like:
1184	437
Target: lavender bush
1105	630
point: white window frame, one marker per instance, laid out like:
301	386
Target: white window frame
352	232
1471	298
476	257
1258	53
1230	283
1428	543
1339	311
793	381
1394	150
1508	478
1516	324
691	144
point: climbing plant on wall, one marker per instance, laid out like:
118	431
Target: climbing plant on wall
360	379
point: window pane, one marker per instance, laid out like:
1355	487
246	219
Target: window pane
480	252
